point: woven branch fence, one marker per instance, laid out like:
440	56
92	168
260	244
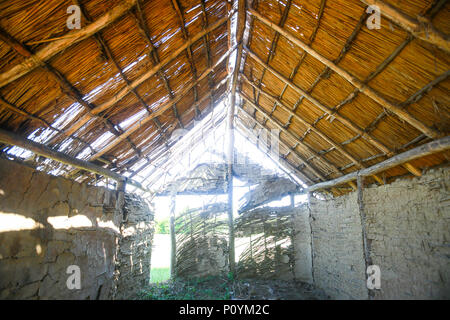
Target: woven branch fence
264	237
201	241
267	236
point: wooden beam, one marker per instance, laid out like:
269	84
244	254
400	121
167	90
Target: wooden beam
418	152
324	108
147	75
14	139
291	167
421	28
300	119
154	114
62	44
415	171
302	160
432	133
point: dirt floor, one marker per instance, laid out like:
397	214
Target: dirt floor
221	288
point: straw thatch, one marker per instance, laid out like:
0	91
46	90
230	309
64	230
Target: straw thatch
113	96
344	97
331	125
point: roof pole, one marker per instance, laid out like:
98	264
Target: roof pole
230	125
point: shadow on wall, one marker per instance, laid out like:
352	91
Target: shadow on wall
50	223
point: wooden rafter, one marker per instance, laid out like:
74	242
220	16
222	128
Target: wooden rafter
304	162
369	92
42	150
420	28
59	45
324	108
291	135
147	75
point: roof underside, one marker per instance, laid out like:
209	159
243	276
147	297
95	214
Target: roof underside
114	96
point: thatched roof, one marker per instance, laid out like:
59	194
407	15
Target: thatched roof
344	97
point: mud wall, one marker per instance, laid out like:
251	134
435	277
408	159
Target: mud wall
408	237
49	223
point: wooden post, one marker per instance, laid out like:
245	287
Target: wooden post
231	110
362	215
173	244
120	203
310	218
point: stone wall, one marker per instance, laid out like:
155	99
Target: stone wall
48	223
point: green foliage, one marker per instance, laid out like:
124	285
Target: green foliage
158	275
162	226
206	288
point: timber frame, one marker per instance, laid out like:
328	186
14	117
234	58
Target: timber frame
116	90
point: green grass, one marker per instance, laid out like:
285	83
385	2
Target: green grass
207	288
158	275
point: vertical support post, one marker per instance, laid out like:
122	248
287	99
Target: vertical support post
312	237
173	244
120	203
231	249
367	259
230	124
